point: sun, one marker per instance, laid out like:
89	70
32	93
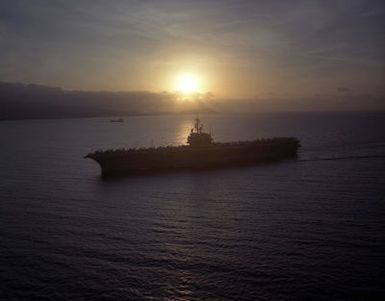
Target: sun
187	83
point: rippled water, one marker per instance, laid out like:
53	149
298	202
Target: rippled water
306	229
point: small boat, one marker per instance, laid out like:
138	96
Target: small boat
117	120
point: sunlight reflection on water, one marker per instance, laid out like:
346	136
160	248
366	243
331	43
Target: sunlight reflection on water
183	132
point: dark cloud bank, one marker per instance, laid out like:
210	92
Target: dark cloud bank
29	101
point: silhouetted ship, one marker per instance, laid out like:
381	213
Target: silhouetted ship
200	153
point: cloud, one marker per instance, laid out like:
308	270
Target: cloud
281	45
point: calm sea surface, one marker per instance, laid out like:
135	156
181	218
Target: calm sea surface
305	229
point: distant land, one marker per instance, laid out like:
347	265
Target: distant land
31	101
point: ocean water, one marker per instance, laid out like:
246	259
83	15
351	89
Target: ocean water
305	229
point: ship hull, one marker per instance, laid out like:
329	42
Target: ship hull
218	155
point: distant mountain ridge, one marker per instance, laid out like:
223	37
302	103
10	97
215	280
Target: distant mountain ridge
31	101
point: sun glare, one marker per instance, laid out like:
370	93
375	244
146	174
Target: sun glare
187	83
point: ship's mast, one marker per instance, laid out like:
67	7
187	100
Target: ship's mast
198	126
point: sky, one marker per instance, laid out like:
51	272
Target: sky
236	48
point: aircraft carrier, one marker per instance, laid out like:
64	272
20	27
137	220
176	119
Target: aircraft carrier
201	152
